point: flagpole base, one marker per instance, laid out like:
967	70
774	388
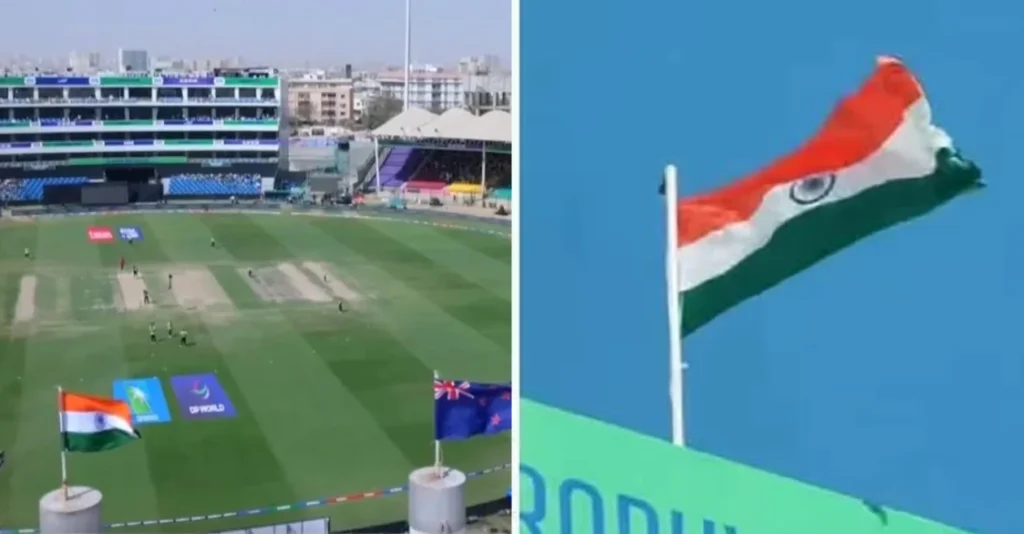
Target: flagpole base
436	504
78	514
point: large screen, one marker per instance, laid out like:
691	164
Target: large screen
106	193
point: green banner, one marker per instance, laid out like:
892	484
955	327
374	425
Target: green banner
188	142
250	82
12	81
55	144
127	123
127	161
126	81
19	124
584	475
269	122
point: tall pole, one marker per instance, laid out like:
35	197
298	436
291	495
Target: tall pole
63	447
408	52
376	163
437	443
675	304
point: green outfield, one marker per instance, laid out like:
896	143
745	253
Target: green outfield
327	403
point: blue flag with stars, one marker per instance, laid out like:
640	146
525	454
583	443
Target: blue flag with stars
464	409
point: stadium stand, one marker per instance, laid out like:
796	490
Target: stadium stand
214	184
444	155
31	189
401	163
501	193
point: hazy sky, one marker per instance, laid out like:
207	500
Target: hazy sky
284	33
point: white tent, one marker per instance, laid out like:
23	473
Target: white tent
417	123
455	123
405	124
495	126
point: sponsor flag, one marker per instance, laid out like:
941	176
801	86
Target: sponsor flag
94	424
877	162
464	409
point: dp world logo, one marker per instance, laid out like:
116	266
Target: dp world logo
200	390
202	397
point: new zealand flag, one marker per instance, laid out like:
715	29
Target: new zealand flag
464	409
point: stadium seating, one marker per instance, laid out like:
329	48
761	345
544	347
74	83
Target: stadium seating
472	189
501	193
214	184
31	189
400	164
424	185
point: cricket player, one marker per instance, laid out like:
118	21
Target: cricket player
135	271
170	329
341	306
170	280
122	263
213	244
184	337
27	253
145	296
152	332
250	273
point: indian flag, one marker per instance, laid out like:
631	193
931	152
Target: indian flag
93	424
877	162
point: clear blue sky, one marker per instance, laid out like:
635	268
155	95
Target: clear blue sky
894	370
286	33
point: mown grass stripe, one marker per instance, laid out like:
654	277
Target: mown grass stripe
455	256
459	297
177	452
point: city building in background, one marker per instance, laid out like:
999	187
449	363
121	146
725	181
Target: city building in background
84	62
487	87
132	60
316	99
430	87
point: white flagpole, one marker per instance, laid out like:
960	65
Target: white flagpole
675	304
408	53
63	448
376	162
437	442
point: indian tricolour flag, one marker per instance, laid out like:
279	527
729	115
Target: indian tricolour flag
877	162
93	424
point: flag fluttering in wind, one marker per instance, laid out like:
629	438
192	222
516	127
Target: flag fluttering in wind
464	409
94	424
877	162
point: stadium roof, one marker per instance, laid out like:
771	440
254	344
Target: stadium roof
416	123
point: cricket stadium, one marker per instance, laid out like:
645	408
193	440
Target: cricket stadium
152	205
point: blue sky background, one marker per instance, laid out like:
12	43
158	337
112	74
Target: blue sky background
283	34
892	371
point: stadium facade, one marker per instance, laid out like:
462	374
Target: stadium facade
144	124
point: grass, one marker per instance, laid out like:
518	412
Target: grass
328	404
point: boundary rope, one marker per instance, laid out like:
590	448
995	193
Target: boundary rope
268	510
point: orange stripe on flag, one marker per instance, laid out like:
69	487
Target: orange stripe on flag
76	402
858	126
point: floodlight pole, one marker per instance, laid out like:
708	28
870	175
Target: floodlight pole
408	52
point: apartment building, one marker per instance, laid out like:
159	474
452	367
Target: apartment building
435	90
321	101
